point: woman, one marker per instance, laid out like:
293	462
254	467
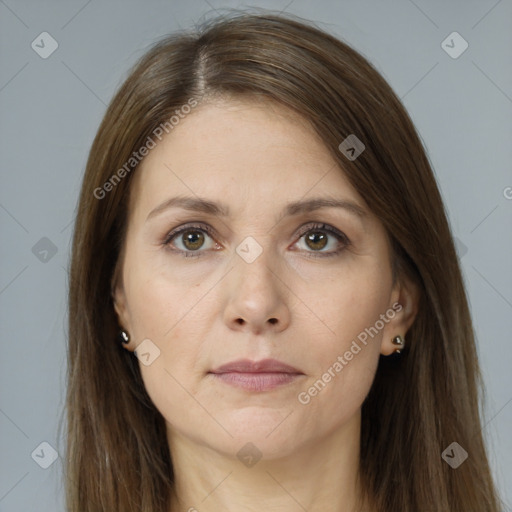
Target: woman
266	306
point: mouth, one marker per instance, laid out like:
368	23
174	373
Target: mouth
262	375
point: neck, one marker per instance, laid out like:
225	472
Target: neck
320	476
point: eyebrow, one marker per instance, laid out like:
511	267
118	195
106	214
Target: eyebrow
197	204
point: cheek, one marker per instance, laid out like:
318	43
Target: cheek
346	350
346	369
159	302
336	396
351	301
173	317
176	322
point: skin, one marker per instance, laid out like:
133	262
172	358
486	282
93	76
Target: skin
287	304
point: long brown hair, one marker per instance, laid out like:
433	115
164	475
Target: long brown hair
117	452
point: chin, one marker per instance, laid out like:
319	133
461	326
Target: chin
265	433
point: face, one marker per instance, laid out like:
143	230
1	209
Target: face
246	267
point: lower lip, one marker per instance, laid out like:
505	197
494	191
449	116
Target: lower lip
257	381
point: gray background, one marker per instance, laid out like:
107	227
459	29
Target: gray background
51	109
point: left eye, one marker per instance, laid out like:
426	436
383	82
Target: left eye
316	240
318	237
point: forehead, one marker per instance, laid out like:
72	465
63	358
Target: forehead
239	151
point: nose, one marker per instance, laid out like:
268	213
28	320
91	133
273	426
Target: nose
258	299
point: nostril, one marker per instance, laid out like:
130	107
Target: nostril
273	320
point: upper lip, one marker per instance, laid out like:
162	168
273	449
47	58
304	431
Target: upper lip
263	366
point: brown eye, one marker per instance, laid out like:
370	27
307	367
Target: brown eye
316	240
192	239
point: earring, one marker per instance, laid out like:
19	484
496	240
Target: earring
123	337
399	342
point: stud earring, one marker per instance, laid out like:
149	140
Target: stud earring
123	337
399	342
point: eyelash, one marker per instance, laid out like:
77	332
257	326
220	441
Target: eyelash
304	230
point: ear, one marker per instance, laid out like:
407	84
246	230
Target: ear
404	302
121	308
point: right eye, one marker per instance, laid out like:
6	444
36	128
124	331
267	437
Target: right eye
189	239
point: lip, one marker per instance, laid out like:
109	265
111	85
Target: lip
263	366
263	375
